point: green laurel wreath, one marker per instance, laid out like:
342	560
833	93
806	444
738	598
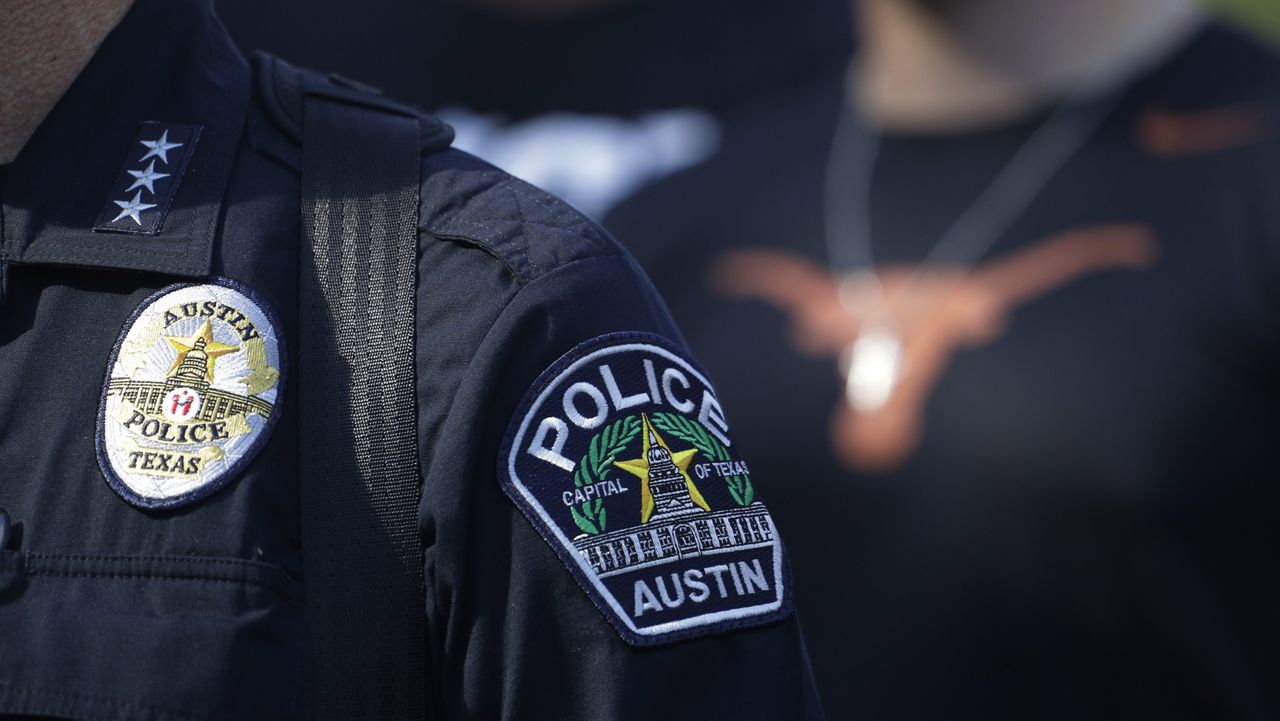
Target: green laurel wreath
595	466
695	434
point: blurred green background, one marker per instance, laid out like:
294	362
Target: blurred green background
1263	15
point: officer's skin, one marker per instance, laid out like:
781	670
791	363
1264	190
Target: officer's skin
41	58
934	65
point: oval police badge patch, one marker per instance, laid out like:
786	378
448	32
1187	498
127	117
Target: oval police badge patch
192	392
621	457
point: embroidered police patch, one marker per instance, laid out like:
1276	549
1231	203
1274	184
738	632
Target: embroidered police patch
192	392
621	457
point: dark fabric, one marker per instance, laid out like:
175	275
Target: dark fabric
200	612
86	139
619	58
1086	525
358	276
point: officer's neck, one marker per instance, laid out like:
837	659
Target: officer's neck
44	44
936	65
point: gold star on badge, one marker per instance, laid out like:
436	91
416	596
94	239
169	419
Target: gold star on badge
203	341
639	467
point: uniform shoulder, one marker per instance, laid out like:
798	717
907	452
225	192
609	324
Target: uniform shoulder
279	89
468	200
463	199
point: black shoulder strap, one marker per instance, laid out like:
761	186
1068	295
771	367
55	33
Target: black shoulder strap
358	459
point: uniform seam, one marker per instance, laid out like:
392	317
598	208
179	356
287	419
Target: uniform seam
142	576
487	248
515	255
276	580
620	254
6	687
71	252
467	374
510	189
4	236
523	278
157	577
197	559
591	233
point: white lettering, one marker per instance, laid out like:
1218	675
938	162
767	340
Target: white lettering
737	582
620	403
668	375
652	377
699	591
691	585
576	417
645	600
718	572
676	587
555	454
600	489
754	578
712	416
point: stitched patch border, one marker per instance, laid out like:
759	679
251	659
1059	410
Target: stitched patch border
243	455
668	506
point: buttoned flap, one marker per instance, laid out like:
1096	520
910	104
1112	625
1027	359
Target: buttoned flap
149	637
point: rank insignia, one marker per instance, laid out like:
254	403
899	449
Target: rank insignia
153	168
191	394
620	456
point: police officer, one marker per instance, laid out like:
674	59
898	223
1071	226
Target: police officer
179	265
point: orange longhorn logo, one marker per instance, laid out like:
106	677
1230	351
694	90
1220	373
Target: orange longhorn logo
938	312
1163	133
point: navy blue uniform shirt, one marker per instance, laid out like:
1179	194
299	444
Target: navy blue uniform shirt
195	610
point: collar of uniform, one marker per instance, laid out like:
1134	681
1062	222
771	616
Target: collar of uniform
167	61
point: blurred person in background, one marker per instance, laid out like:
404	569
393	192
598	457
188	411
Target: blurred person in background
995	309
589	99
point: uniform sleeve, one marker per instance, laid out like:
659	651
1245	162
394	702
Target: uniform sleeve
513	632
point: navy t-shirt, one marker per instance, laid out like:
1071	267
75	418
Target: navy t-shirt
1068	508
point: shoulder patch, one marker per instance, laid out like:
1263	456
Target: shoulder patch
621	457
191	394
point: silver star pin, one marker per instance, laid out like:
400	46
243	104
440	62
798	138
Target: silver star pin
146	178
131	208
159	148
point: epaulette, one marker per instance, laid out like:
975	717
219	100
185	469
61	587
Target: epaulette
283	86
464	199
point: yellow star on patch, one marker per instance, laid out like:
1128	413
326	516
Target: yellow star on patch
211	348
639	467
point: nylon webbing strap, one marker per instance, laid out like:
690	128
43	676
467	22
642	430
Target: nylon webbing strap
358	458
